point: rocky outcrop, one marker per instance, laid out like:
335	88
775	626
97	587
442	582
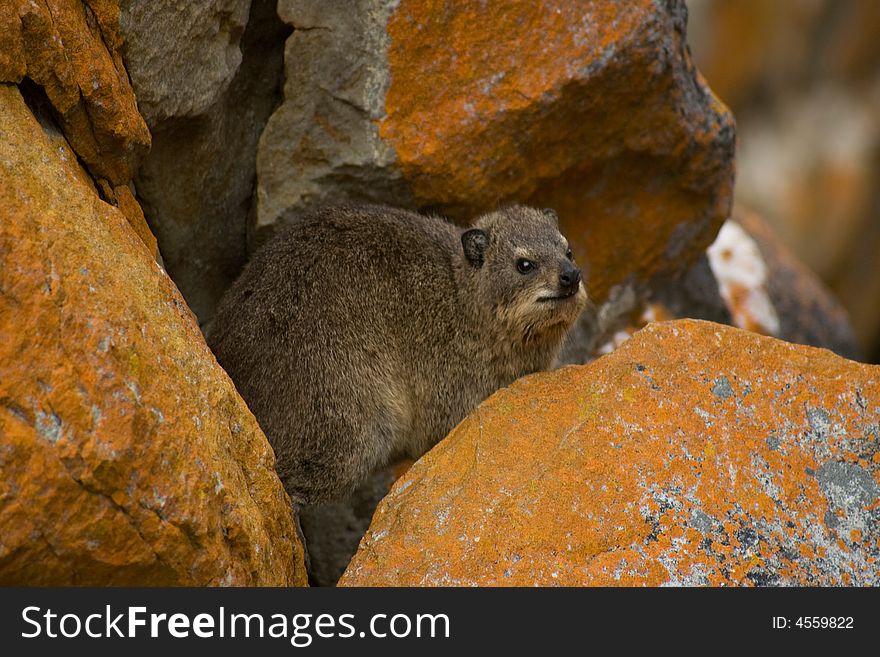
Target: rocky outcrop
804	87
70	51
126	456
322	145
694	454
591	108
207	76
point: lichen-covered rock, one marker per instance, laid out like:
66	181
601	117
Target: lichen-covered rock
206	113
803	85
694	454
592	108
126	456
769	291
71	50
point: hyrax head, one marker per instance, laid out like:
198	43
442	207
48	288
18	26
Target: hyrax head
525	270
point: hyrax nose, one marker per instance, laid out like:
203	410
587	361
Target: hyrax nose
569	277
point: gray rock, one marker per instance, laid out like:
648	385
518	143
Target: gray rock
197	184
322	145
847	485
181	55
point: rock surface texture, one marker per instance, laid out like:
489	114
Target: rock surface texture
592	108
70	51
206	110
181	55
126	456
694	454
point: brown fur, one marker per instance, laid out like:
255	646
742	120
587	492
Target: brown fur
361	334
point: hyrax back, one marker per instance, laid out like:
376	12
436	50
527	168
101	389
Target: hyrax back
359	334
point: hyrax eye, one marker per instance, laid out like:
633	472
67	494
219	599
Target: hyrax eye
524	266
569	255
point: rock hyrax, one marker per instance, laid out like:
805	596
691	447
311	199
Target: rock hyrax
361	334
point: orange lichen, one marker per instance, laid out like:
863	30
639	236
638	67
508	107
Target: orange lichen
72	49
594	110
127	456
628	493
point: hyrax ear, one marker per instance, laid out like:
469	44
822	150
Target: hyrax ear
550	213
474	242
